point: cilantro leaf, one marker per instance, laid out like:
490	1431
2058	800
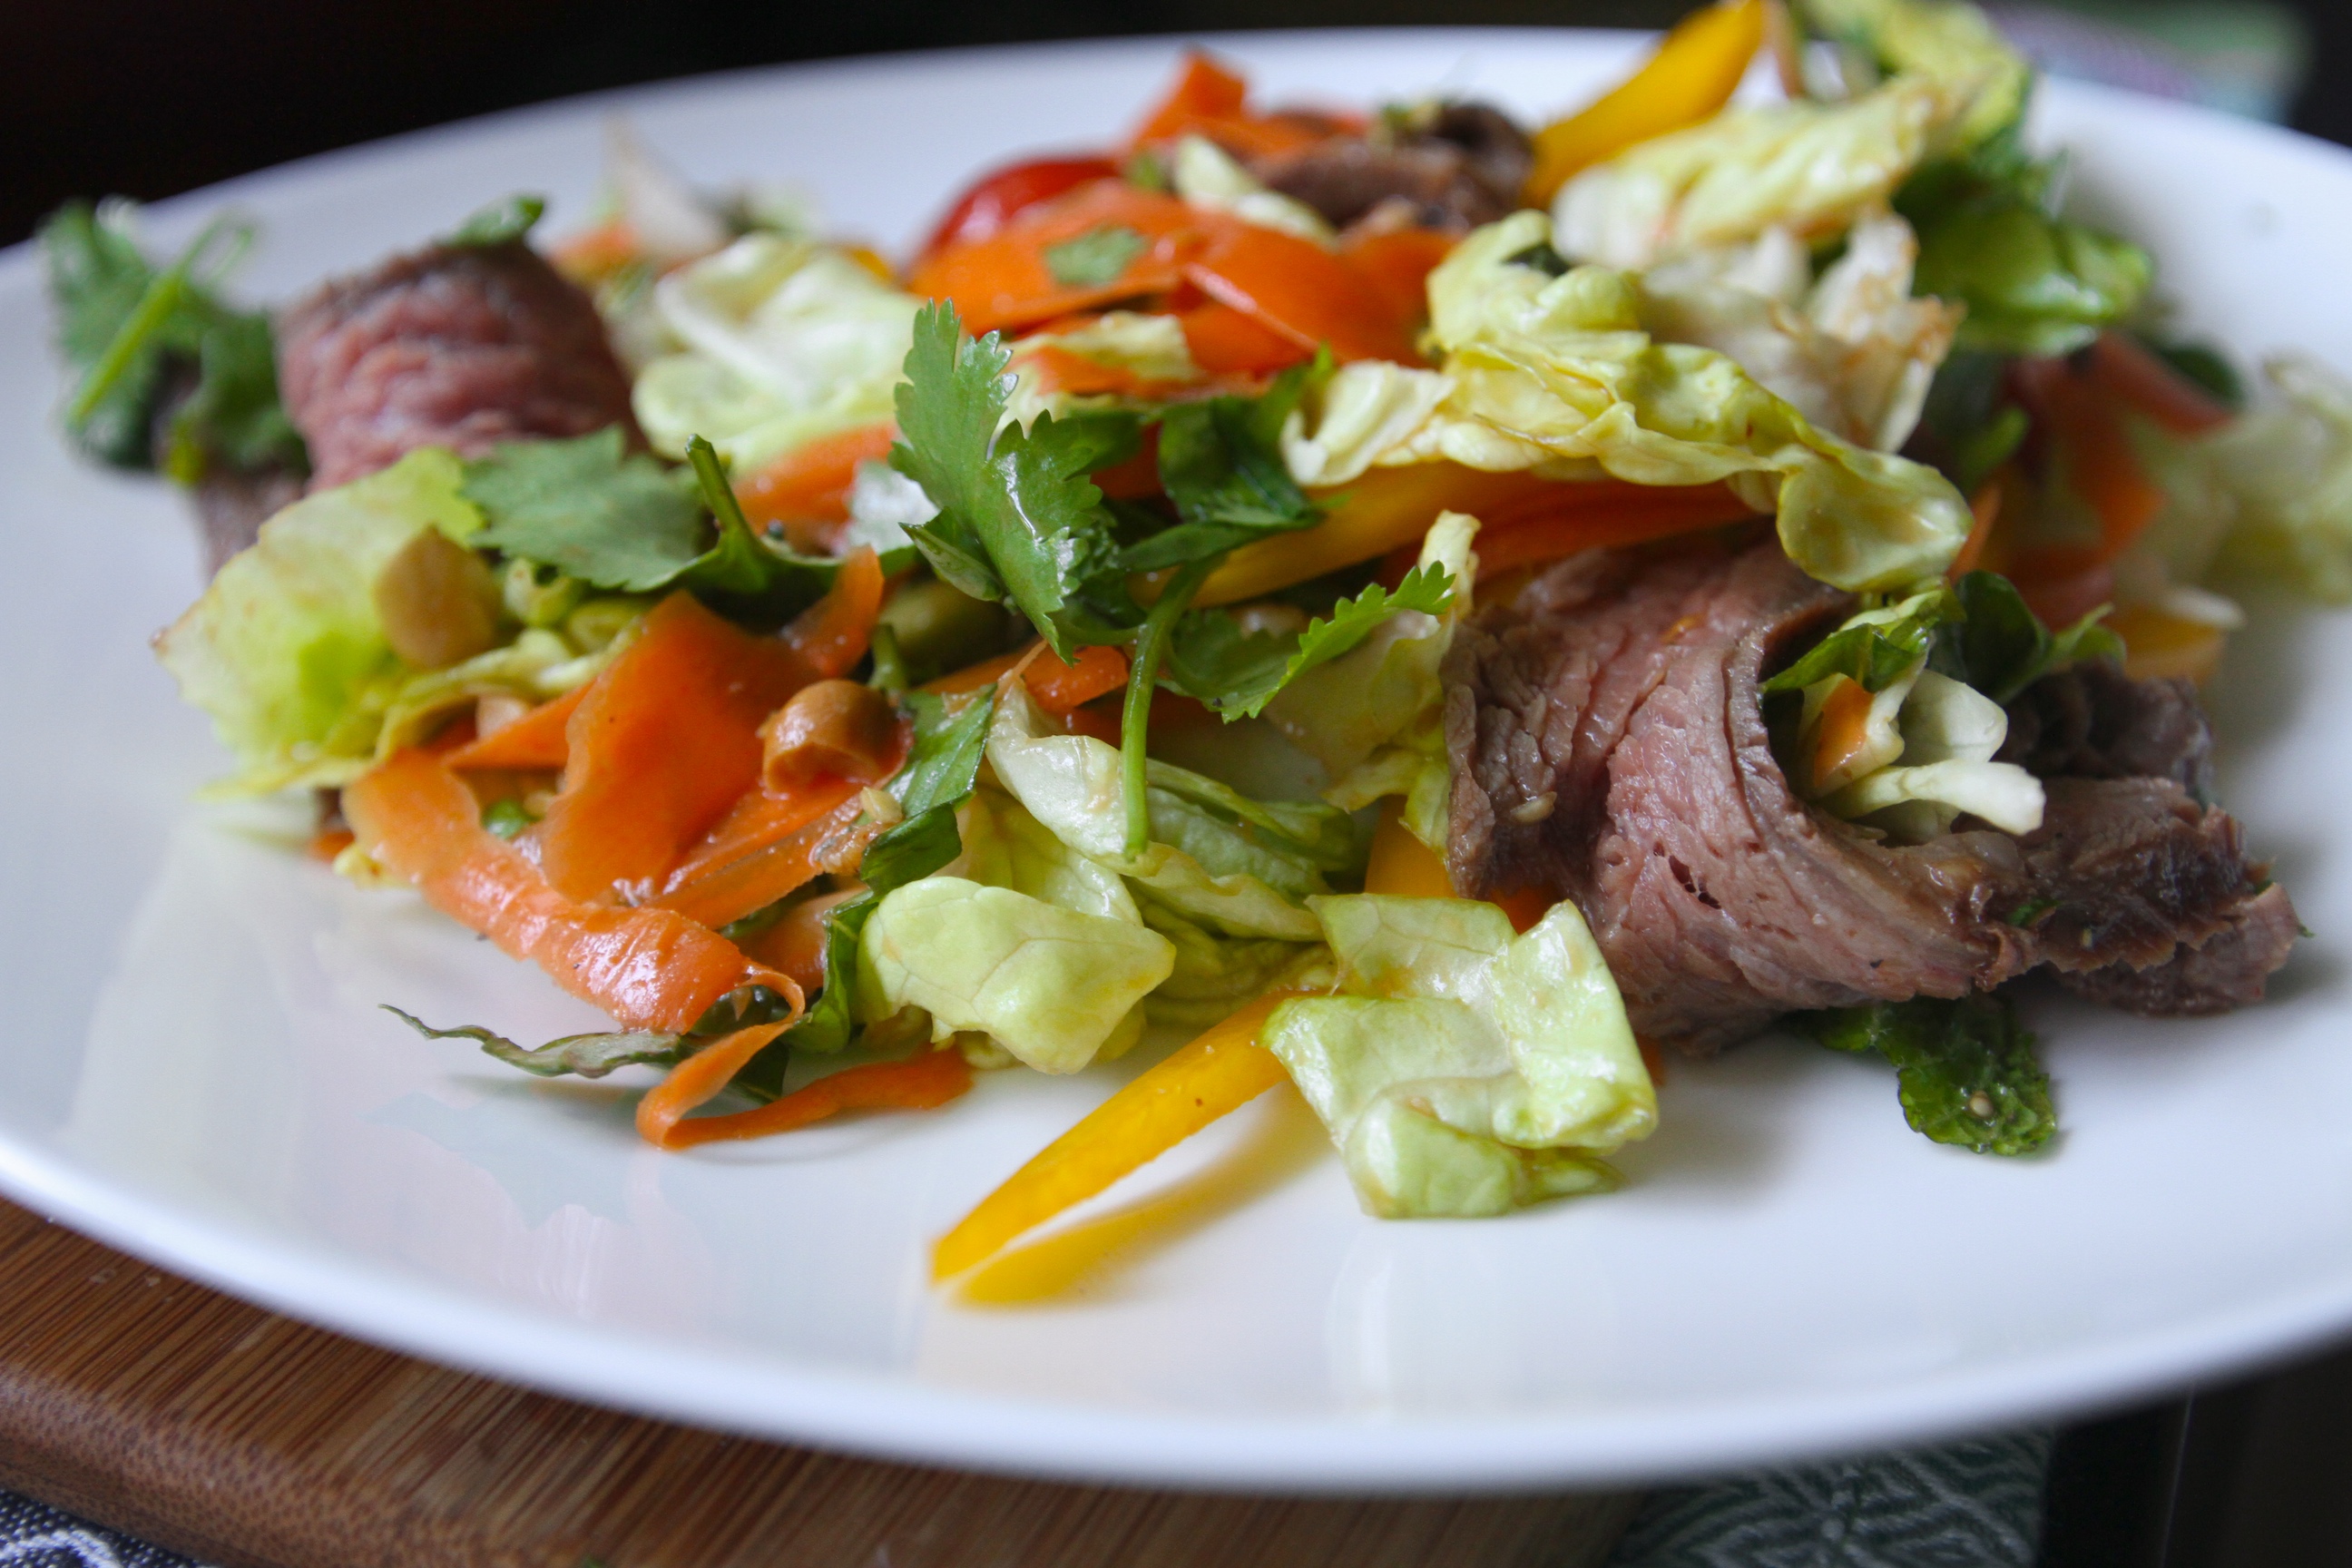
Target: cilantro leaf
1966	1072
576	1056
621	521
501	223
2003	647
136	338
1237	673
1873	653
831	1021
613	518
1094	258
1221	462
1020	521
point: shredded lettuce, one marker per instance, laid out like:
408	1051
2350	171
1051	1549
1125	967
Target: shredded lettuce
1949	40
1562	371
1464	1070
786	340
1365	410
285	650
1207	176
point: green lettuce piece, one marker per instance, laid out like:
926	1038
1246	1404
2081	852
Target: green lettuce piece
284	651
1237	865
1807	167
786	340
1464	1070
1950	41
1558	370
1873	647
2275	490
1054	986
1966	1072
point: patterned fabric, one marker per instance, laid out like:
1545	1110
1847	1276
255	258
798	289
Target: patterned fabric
1968	1505
32	1535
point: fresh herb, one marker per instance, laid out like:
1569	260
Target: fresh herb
1874	653
1150	652
1966	1071
2029	913
1019	521
938	775
2001	646
508	818
2204	366
1542	257
620	521
165	373
2033	283
889	673
1237	673
576	1056
501	223
1221	462
1096	257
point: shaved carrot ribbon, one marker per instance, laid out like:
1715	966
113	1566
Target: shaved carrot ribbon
1057	687
1009	278
722	886
923	1082
1222	1070
1985	508
806	491
537	740
698	1079
1693	74
650	969
1619	515
1210	100
2132	375
1845	728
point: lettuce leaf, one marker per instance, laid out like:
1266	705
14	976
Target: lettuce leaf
1464	1070
1949	40
1560	371
1364	410
1965	1070
787	339
284	651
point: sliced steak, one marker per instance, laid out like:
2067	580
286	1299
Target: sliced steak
1460	167
2094	721
1609	744
463	346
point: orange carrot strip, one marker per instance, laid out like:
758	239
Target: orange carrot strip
830	636
755	823
1844	727
1633	516
1223	1069
698	1079
1008	280
806	490
663	743
794	945
718	891
650	969
537	740
1985	506
2100	464
1202	90
1303	292
2130	374
592	256
1057	687
1398	264
1223	341
924	1082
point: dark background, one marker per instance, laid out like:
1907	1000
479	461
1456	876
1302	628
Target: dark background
149	98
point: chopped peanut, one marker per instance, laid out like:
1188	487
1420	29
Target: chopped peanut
438	603
837	727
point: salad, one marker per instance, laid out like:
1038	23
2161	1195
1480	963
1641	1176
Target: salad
1438	613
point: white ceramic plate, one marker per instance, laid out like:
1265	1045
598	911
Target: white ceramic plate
194	1068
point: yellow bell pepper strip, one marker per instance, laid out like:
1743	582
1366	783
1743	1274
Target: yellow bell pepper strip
1400	864
1693	74
2158	645
1373	515
1223	1069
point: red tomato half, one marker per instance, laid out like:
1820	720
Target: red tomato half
995	199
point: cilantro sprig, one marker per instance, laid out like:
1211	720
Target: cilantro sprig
1236	673
1965	1070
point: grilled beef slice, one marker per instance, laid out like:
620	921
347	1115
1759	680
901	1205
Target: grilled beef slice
1462	167
1608	744
463	346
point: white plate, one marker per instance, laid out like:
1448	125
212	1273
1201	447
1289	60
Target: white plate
194	1068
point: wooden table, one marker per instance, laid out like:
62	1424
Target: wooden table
158	1408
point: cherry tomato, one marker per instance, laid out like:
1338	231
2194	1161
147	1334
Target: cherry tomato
995	199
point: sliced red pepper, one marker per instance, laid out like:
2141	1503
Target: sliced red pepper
996	198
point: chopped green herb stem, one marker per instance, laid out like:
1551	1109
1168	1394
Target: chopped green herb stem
1142	676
